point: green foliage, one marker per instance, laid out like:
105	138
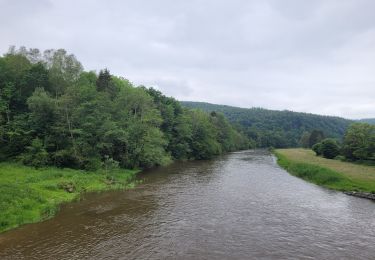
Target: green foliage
329	148
36	154
268	128
106	84
316	136
109	166
317	148
359	142
54	113
29	195
204	145
305	140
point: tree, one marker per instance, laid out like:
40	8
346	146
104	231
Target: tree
105	83
54	113
329	148
315	137
359	142
104	80
276	128
64	70
204	144
305	140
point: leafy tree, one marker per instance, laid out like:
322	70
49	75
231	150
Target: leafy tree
204	144
359	142
329	148
64	70
42	112
54	113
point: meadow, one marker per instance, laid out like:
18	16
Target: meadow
333	174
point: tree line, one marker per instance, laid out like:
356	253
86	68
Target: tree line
358	144
52	112
279	129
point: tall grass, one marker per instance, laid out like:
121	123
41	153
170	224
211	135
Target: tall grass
323	175
30	195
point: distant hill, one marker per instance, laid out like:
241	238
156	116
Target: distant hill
276	128
368	121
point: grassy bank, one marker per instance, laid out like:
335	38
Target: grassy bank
333	174
30	195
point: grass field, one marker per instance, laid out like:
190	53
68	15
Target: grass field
333	174
30	195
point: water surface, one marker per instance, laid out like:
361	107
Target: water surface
238	206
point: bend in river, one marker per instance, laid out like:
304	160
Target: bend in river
238	206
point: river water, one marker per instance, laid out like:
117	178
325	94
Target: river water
238	206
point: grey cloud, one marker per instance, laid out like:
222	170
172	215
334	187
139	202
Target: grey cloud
312	56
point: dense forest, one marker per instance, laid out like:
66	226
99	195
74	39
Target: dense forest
279	128
52	112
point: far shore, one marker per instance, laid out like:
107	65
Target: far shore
351	178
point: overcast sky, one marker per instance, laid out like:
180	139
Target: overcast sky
313	56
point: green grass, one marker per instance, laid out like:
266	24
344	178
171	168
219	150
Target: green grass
332	174
30	195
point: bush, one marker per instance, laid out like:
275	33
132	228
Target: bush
340	158
92	164
329	148
66	158
36	154
109	166
317	148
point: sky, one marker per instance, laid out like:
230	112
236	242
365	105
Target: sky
315	56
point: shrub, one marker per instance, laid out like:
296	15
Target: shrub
329	148
66	158
92	164
109	166
340	158
36	154
317	148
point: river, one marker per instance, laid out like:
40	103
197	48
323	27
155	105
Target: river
238	206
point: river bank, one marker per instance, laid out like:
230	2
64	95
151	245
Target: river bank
235	206
29	195
353	179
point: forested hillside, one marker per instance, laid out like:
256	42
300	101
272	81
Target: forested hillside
370	121
277	128
52	112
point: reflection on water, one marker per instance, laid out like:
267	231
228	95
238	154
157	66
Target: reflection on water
238	206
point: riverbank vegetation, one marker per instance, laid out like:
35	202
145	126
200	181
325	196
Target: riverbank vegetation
29	195
53	113
358	145
333	174
64	131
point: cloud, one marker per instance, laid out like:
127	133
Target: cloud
312	56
